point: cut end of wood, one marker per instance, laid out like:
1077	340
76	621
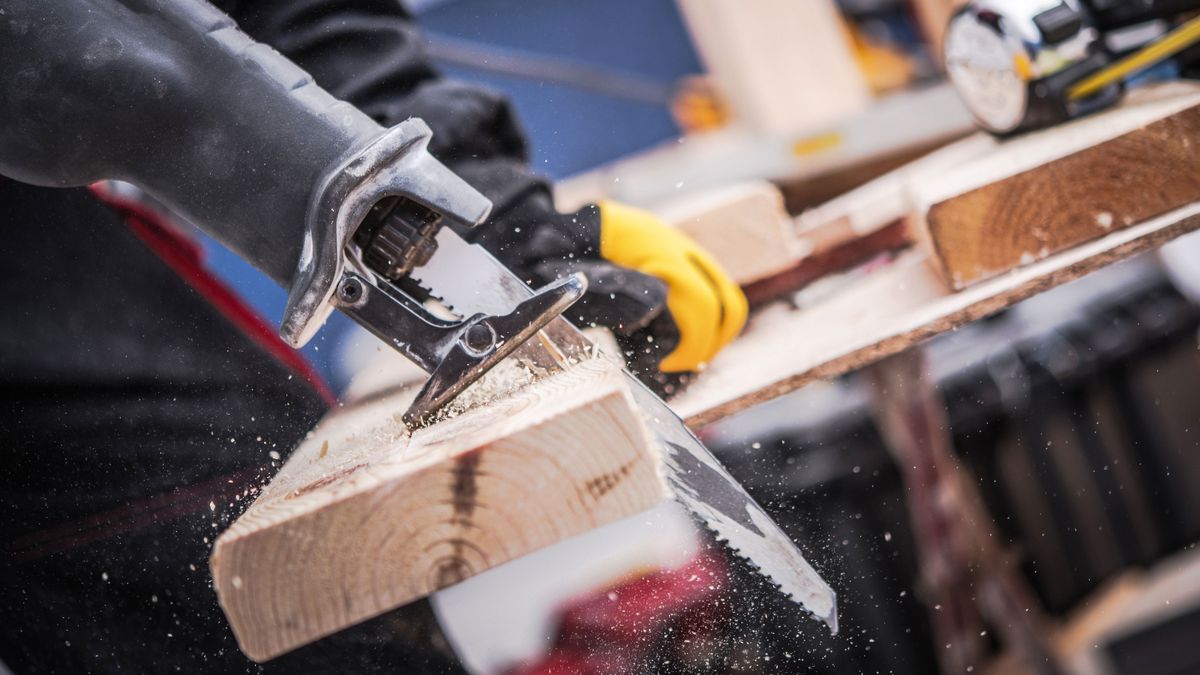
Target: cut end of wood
364	518
1038	195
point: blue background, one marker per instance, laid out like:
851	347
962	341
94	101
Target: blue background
571	128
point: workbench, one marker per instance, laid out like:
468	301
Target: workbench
884	311
876	317
493	484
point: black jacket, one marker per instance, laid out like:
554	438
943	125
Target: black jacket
370	53
129	403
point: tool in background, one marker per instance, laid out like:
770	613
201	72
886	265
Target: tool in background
239	141
1020	65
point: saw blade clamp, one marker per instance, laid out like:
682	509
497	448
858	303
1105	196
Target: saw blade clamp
397	164
375	219
455	353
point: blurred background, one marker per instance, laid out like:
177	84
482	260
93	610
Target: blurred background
595	81
1076	412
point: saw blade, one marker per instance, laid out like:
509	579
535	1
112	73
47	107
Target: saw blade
469	280
706	489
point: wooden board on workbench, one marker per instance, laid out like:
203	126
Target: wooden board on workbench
770	254
783	66
1041	193
884	312
365	517
910	300
744	226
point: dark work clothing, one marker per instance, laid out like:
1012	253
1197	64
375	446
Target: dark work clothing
128	405
369	52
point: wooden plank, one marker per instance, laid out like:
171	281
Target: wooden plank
744	226
885	311
784	66
1042	193
934	18
853	228
365	517
838	258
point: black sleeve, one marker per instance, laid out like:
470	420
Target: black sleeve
371	54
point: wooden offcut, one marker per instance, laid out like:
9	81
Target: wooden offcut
1042	193
365	517
744	227
883	311
770	254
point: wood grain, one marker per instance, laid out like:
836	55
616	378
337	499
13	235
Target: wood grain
1040	194
888	198
885	311
839	258
364	517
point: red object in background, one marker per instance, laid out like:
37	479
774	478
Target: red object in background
185	257
673	614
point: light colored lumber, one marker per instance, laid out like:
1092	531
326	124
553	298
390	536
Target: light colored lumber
783	66
1039	194
743	226
364	517
885	200
885	311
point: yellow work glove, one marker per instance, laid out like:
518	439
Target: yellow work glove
708	308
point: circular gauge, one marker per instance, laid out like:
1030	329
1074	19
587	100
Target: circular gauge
982	62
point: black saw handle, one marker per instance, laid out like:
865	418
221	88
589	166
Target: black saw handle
170	95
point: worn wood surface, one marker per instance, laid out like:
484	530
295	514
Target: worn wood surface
744	226
884	311
888	198
364	517
1042	193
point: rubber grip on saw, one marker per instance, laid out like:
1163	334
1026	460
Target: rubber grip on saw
171	96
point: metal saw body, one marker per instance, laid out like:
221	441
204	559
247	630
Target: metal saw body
230	135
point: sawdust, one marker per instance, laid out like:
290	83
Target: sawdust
507	378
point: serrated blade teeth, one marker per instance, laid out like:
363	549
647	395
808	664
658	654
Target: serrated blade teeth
470	281
829	618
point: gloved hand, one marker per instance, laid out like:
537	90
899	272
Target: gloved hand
669	304
707	306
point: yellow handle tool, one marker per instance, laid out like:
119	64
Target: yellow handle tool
1169	45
